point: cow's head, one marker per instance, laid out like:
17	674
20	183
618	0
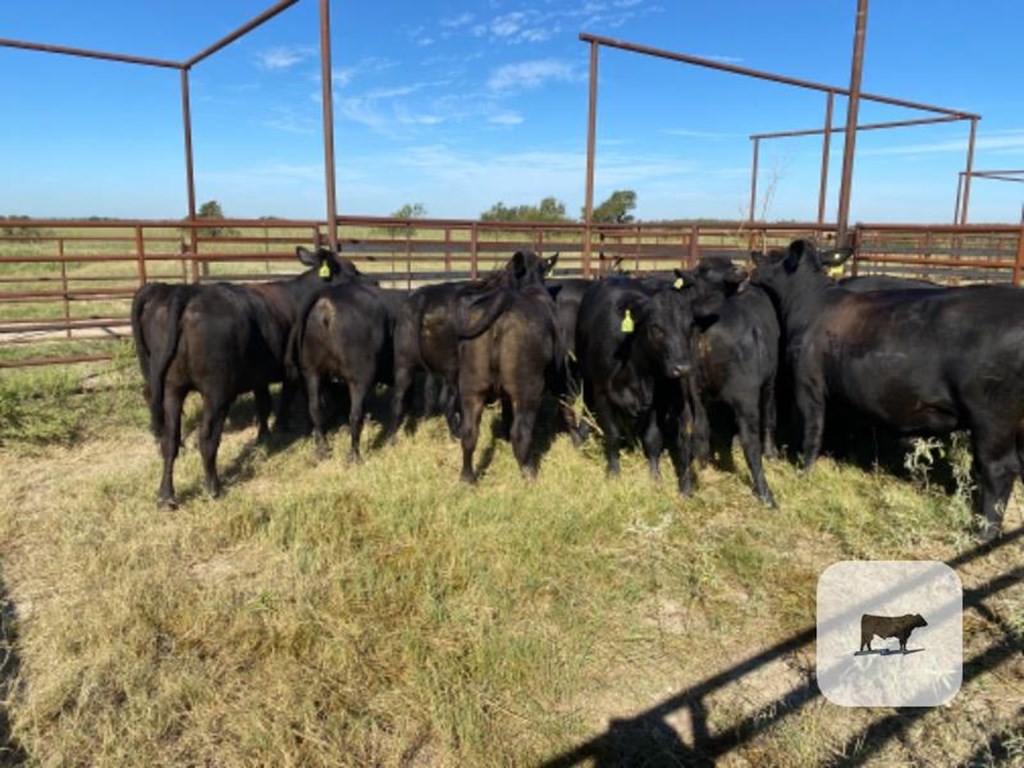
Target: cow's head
329	266
720	273
527	268
799	264
918	621
661	324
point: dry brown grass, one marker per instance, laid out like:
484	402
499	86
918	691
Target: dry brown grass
325	614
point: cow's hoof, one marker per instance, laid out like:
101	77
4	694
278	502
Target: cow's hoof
469	478
213	490
321	452
768	500
168	502
988	534
354	458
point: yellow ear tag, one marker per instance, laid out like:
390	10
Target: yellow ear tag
627	323
325	270
678	284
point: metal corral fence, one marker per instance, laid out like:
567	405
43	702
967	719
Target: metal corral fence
66	286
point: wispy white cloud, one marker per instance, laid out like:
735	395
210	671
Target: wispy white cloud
1007	142
289	120
691	134
506	118
455	22
282	57
527	75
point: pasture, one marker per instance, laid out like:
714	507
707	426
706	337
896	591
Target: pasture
323	613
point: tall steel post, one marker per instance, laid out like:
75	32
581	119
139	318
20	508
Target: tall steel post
843	216
968	171
328	122
588	204
826	148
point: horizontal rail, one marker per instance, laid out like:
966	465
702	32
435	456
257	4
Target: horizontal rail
80	297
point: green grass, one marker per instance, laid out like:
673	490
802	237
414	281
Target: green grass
384	613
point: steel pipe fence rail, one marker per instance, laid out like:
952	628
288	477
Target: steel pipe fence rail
66	286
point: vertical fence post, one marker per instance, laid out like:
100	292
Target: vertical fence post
473	239
183	250
64	286
408	256
1018	264
447	251
140	255
855	244
694	247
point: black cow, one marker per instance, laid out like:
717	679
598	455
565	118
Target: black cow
222	340
152	306
920	362
510	347
634	343
738	349
345	333
426	337
899	627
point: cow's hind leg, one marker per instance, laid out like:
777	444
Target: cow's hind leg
768	419
524	416
357	391
749	425
996	466
316	413
472	410
170	441
215	412
452	411
264	406
606	420
403	379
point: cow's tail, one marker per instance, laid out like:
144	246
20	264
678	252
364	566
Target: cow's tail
159	365
495	306
142	351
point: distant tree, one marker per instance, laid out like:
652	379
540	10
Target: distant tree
549	209
616	208
410	211
211	210
9	227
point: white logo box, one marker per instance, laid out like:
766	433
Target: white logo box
929	672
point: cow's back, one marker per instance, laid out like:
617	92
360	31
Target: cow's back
918	359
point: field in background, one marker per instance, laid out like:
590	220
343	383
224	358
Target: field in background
327	614
66	287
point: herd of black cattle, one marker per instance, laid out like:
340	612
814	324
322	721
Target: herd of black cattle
649	353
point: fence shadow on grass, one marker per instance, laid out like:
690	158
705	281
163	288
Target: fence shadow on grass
647	739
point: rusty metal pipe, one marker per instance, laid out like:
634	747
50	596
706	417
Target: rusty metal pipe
826	148
588	207
968	172
89	54
327	92
853	105
865	127
711	64
225	41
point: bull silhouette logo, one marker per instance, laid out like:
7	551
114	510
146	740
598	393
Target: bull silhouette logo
884	627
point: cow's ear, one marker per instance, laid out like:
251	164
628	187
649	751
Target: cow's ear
683	279
307	257
800	250
519	263
549	264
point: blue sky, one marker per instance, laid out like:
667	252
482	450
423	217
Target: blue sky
458	105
